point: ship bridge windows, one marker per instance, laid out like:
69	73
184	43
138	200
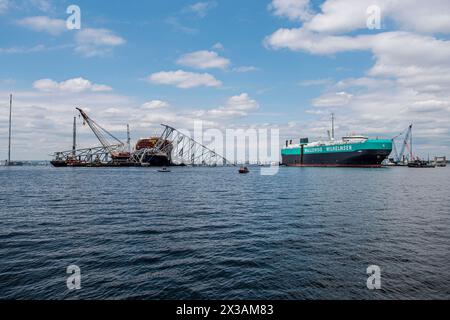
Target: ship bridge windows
355	139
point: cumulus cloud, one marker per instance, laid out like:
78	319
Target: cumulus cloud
155	104
413	59
299	39
412	15
44	24
337	16
292	9
184	80
203	60
92	42
239	105
333	99
71	85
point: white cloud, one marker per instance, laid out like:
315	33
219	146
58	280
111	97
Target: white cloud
422	16
71	85
299	39
338	16
155	104
239	105
201	9
203	60
96	42
183	79
292	9
418	61
410	57
44	24
333	99
412	15
244	69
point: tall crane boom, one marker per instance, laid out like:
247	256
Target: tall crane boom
394	151
405	143
101	133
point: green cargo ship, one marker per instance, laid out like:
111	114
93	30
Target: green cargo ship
351	151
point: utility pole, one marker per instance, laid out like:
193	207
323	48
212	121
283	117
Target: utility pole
9	138
74	143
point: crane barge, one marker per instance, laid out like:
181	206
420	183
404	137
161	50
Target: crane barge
111	153
171	148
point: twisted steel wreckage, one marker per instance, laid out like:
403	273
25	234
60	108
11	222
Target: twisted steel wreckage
171	148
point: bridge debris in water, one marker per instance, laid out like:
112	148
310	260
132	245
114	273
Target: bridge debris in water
172	148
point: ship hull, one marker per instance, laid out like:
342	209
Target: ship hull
157	161
58	163
361	158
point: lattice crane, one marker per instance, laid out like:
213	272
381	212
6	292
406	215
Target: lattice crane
406	144
114	148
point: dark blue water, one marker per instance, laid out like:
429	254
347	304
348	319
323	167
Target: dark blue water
210	233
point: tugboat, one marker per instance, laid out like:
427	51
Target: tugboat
243	170
421	164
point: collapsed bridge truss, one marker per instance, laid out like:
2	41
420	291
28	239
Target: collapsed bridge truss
182	150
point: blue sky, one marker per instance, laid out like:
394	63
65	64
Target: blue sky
281	63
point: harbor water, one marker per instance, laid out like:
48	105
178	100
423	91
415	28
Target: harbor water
210	233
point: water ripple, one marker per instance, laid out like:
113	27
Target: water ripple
204	233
